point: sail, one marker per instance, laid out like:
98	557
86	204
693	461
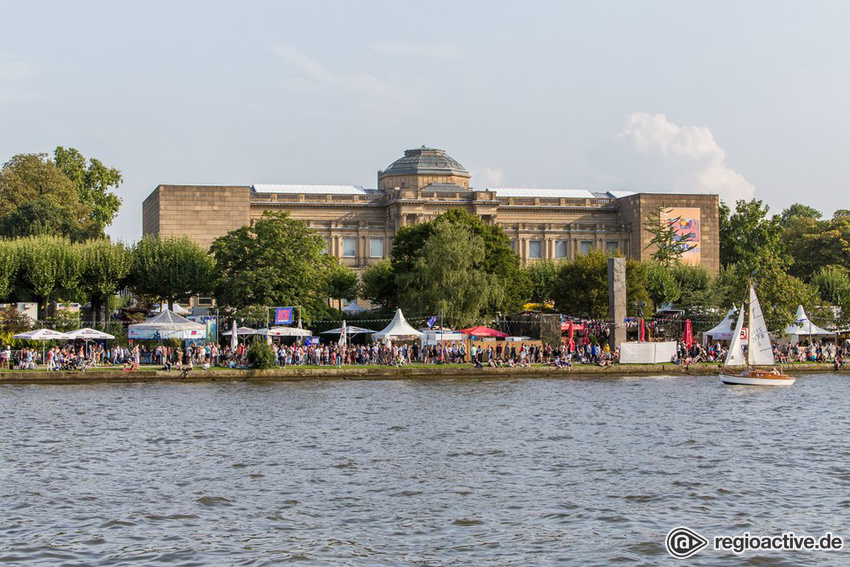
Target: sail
736	351
759	351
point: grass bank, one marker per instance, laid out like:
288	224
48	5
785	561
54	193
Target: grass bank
410	372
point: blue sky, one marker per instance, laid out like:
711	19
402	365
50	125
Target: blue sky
738	98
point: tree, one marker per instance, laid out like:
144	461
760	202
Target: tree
448	275
798	211
46	194
833	285
94	182
543	275
696	293
10	260
343	283
277	261
813	244
667	243
661	284
48	264
499	258
749	236
582	286
104	269
171	269
378	284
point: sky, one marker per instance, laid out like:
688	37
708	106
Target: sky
744	99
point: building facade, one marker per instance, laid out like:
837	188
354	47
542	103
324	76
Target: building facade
359	224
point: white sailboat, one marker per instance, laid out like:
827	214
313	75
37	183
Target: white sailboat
759	352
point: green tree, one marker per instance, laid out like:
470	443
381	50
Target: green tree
449	275
696	294
499	258
378	284
171	269
813	244
543	274
43	193
797	211
104	269
10	260
94	182
748	236
833	286
581	288
667	245
343	283
277	261
661	284
48	264
260	355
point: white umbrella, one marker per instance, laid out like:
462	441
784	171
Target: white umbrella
90	335
242	331
42	335
343	335
234	336
285	332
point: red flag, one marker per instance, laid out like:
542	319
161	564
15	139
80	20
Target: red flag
570	342
642	335
688	339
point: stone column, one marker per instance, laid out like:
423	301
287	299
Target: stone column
617	300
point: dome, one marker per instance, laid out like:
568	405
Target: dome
425	161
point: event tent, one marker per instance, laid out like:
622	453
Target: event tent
723	331
354	307
89	334
480	331
42	335
398	328
241	331
803	328
179	309
167	325
349	330
285	332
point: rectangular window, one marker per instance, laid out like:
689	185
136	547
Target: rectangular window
376	247
349	247
205	301
612	247
586	247
513	245
561	249
535	248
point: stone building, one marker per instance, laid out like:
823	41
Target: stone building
359	223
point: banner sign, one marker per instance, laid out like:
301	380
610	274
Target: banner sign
311	341
283	315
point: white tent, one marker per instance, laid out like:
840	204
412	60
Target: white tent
349	330
42	335
397	329
89	334
803	328
284	332
167	325
177	309
354	307
723	331
241	331
432	337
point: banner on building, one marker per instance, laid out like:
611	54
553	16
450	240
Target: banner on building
283	315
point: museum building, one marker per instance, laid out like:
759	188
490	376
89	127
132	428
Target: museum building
358	223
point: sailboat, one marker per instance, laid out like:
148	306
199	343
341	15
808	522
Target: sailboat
759	352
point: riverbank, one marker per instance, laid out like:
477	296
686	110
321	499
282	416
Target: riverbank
411	372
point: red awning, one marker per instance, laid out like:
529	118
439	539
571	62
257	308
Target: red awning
484	332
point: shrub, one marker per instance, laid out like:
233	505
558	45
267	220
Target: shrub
260	355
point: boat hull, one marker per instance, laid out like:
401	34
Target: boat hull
763	380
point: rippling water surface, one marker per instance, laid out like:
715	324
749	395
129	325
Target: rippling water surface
519	472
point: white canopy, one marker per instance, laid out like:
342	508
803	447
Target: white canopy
167	325
177	309
89	334
285	332
42	335
398	328
241	331
354	307
349	330
804	328
724	330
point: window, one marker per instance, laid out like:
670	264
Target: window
534	249
205	301
561	249
513	245
612	247
349	247
376	247
586	247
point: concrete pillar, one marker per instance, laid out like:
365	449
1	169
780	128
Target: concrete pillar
617	300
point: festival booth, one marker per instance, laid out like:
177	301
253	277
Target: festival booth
434	337
723	331
241	332
647	352
804	330
398	329
354	308
167	325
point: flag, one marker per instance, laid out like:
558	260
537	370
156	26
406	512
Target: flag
431	321
342	337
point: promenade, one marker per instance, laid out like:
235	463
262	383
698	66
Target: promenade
409	372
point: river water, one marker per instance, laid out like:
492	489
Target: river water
450	472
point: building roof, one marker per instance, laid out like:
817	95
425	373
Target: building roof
556	193
425	161
314	189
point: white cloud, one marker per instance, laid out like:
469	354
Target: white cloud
14	71
651	153
484	177
421	50
315	76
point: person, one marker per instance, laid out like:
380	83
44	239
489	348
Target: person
5	357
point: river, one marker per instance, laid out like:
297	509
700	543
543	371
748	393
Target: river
447	472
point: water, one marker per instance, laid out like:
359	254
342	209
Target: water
451	472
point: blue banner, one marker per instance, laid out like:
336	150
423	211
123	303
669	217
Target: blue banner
283	315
